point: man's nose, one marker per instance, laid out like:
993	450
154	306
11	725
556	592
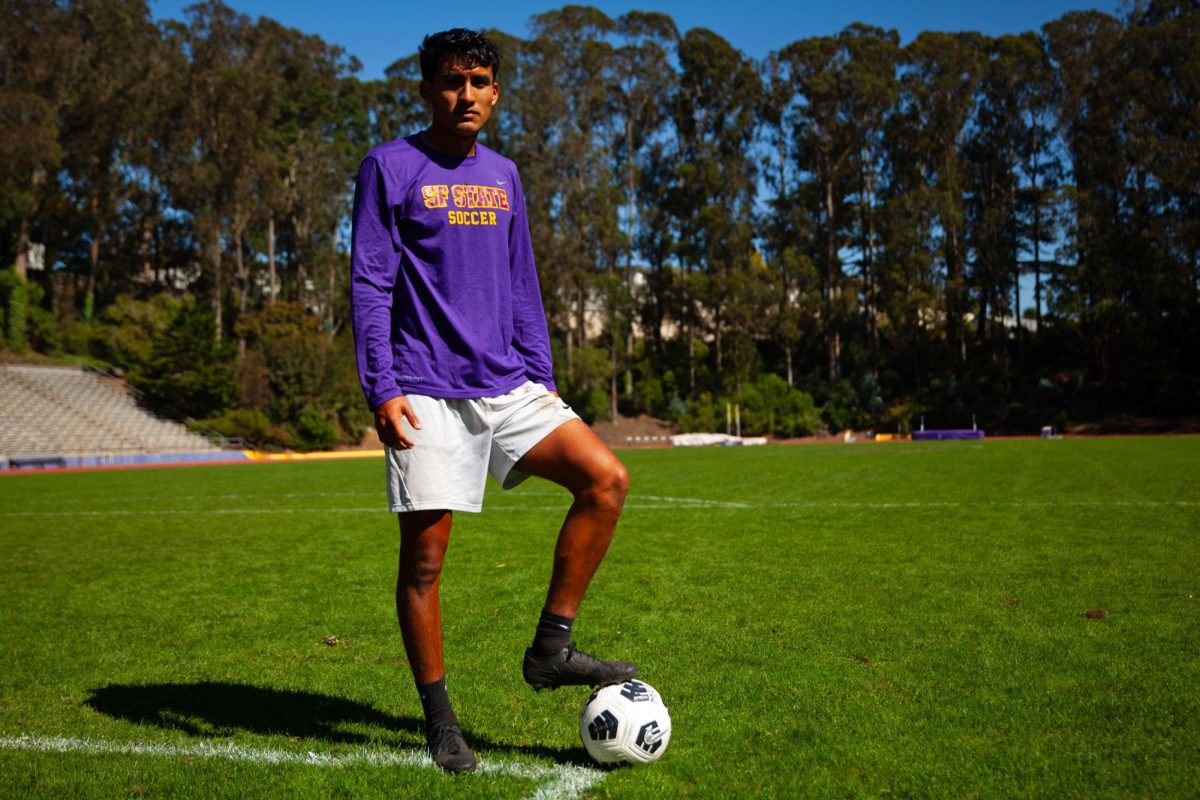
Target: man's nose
469	92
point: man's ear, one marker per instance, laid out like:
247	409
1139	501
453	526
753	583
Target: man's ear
495	93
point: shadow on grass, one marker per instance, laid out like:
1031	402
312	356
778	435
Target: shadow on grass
217	709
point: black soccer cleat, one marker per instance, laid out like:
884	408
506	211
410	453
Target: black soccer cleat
449	750
571	667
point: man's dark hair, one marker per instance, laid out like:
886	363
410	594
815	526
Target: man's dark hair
469	48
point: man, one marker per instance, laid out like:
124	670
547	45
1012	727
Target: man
454	358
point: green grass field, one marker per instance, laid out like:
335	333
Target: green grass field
888	620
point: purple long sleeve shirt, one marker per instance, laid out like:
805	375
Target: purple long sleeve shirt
443	288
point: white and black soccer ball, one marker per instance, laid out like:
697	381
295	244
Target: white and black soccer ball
625	723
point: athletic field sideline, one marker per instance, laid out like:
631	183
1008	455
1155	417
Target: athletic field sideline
945	619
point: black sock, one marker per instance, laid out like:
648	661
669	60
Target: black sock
436	703
553	633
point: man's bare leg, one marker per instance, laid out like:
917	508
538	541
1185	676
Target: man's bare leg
575	458
424	536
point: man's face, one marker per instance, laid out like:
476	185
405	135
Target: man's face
460	98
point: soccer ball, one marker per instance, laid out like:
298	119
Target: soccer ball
625	723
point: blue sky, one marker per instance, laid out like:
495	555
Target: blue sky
379	32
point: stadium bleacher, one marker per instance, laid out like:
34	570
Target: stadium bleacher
47	413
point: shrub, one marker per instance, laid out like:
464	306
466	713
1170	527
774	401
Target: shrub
249	424
701	415
128	328
314	432
841	410
14	294
188	371
769	406
789	411
295	373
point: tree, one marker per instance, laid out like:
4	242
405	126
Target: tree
1084	47
712	186
394	103
847	86
224	111
641	59
940	78
872	92
35	73
107	123
320	130
189	371
1039	149
793	301
994	159
1162	83
565	156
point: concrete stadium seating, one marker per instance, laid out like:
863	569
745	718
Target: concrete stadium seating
49	411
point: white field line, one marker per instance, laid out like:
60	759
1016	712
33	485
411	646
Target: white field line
645	503
989	503
693	501
559	782
125	498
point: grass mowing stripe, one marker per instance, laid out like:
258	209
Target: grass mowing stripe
555	783
656	503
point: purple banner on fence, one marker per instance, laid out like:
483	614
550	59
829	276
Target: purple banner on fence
964	433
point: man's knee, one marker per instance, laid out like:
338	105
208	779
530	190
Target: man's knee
420	572
609	486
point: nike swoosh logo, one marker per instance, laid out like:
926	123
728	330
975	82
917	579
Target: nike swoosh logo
501	182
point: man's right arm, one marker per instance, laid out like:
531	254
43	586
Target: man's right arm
388	422
374	262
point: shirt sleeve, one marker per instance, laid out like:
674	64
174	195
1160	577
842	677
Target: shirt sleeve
531	337
374	262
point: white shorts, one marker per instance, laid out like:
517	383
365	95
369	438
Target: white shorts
461	441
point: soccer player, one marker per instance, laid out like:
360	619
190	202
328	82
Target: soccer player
454	358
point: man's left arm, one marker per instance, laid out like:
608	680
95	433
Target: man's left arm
531	337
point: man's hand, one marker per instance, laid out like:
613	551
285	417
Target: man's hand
388	422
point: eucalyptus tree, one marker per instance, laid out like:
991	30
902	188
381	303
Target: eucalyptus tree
1157	76
940	76
107	124
1040	151
846	87
318	133
824	142
35	75
711	196
654	238
1128	96
793	306
1012	153
1094	289
565	158
505	130
994	157
394	103
642	88
224	109
872	91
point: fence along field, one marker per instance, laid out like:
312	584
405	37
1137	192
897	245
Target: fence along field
997	619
